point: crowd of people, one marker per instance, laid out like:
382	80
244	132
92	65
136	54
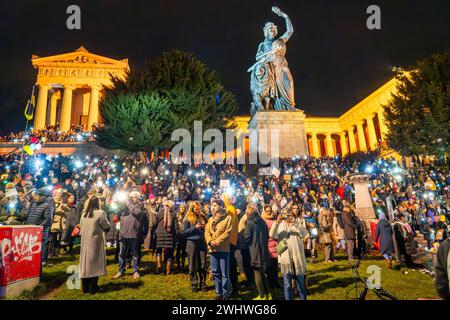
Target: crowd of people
51	134
226	220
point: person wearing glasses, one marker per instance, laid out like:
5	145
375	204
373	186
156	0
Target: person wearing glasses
291	253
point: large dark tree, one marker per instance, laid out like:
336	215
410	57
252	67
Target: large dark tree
134	122
418	115
188	89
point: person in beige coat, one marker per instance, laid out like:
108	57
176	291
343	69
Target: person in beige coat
59	222
338	232
325	219
217	236
93	226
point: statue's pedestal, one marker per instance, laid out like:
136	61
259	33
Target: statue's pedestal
363	202
288	125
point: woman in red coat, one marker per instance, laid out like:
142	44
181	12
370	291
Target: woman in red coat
272	269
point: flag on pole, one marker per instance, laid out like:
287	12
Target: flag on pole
29	109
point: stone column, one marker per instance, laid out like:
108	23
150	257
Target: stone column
373	141
329	143
93	107
66	109
53	104
315	145
363	202
351	139
41	107
382	124
343	144
361	137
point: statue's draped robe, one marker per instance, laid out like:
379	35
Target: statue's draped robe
283	84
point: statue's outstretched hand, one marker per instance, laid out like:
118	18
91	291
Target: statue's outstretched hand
278	11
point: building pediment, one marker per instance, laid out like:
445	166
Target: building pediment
79	58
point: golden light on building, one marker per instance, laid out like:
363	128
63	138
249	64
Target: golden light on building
70	87
361	128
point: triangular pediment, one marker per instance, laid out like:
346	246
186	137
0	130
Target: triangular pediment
80	56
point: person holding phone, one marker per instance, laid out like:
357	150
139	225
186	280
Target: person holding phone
291	257
194	232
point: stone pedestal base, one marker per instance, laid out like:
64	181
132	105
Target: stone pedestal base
288	125
363	201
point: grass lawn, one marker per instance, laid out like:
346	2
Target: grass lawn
327	281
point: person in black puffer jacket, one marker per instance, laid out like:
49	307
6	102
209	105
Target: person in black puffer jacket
40	213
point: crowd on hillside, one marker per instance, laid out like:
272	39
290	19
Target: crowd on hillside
51	134
225	219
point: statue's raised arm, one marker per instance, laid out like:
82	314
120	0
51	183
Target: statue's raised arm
289	28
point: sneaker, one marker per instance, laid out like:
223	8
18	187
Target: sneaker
260	298
136	276
118	276
269	296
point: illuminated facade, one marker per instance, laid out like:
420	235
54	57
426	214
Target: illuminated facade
70	86
362	128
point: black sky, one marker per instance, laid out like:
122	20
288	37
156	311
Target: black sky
335	60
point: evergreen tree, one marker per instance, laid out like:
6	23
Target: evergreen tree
418	115
134	122
190	90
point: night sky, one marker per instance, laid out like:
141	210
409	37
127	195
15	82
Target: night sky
335	60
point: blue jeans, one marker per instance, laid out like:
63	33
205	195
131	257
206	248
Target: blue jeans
220	268
125	245
299	280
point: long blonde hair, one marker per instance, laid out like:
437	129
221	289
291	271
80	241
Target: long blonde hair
191	216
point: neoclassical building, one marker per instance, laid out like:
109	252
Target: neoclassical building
361	128
70	86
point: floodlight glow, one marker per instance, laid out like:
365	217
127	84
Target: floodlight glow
121	196
369	169
79	164
229	190
38	164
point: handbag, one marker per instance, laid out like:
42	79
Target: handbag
281	246
75	231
